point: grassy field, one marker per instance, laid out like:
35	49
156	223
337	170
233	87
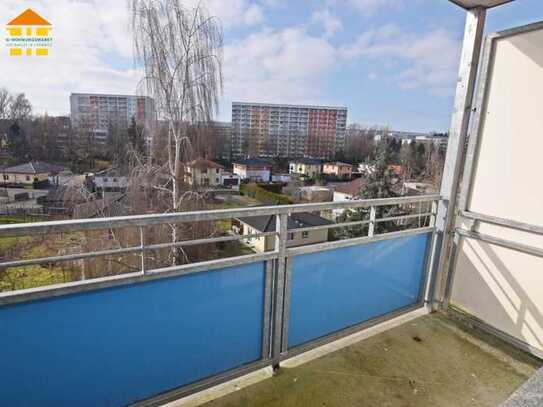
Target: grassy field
17	278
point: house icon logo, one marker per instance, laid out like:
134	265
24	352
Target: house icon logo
29	34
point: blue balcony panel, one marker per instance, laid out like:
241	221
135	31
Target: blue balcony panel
336	289
123	344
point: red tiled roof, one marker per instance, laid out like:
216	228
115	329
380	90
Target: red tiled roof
351	188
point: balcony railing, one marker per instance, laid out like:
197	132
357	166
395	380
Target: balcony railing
179	328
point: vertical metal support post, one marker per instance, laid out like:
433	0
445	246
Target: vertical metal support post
446	216
268	290
286	302
430	255
371	227
142	249
280	249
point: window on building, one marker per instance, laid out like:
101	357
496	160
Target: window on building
305	235
28	177
291	236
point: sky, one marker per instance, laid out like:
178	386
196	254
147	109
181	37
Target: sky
391	62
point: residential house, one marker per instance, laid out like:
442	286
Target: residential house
30	173
338	169
314	193
306	166
346	191
230	180
264	224
254	169
204	172
283	178
111	180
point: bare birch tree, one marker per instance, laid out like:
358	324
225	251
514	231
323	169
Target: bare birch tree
180	50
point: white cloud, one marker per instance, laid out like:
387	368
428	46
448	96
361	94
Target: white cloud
274	3
233	12
253	15
369	7
427	60
330	23
277	66
92	49
91	52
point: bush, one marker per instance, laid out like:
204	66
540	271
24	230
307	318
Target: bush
274	188
257	192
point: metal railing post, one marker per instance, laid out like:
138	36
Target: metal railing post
142	249
432	253
433	211
280	248
446	217
371	227
268	309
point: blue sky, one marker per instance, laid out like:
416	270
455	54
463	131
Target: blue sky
367	85
391	62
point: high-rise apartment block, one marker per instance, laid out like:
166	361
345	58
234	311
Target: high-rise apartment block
270	130
98	113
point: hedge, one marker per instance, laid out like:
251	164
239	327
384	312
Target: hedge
259	193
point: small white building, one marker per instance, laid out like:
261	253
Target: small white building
284	178
255	170
306	166
264	224
231	181
110	181
28	174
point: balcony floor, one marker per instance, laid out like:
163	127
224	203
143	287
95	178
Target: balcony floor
431	361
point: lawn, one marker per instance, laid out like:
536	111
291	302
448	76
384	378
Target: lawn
17	278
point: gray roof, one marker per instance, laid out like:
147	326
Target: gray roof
34	167
254	161
307	161
295	221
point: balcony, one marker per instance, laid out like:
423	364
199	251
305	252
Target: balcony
158	334
444	310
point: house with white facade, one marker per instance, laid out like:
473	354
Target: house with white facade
264	224
255	169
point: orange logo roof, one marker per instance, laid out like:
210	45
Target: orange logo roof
29	17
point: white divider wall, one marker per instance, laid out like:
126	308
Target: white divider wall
500	286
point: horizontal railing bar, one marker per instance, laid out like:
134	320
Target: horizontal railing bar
216	214
12	297
127	250
296	251
209	240
331	226
70	257
508	244
525	227
392	218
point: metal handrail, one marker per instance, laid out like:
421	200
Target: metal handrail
280	234
61	226
508	244
508	223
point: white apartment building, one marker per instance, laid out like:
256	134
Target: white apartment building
272	130
99	112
